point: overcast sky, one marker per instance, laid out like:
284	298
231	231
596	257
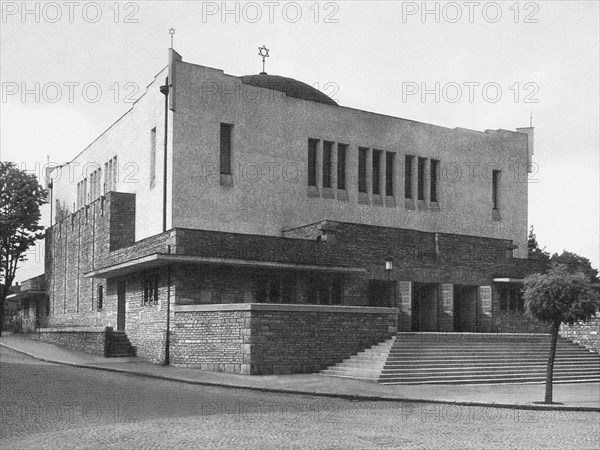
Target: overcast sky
492	65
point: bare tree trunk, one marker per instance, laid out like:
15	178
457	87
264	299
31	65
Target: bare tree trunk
550	366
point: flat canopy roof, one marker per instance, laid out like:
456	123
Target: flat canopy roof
162	259
508	280
24	294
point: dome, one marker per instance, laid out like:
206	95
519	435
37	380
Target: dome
289	86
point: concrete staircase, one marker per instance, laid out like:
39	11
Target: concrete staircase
468	358
118	345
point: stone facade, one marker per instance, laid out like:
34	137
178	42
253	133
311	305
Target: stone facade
88	339
586	334
267	339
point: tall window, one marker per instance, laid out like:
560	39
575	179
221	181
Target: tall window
495	189
389	173
225	156
341	166
408	176
100	297
312	162
421	178
362	169
376	171
150	289
433	194
327	149
152	157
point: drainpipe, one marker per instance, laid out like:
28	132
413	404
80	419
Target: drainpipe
164	89
167	358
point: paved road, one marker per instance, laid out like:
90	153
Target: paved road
50	406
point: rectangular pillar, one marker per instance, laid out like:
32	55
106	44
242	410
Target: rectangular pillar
446	307
484	309
404	303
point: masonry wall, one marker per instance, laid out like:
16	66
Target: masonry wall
78	244
88	340
586	334
267	339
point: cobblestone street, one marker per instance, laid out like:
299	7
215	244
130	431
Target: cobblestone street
50	406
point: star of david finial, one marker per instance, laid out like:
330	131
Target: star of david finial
171	32
264	52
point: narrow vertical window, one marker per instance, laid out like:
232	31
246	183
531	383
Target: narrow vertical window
106	182
421	178
115	172
362	169
389	173
495	188
433	194
312	162
408	172
225	157
152	157
376	171
100	297
341	166
327	149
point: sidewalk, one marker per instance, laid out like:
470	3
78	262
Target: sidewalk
572	396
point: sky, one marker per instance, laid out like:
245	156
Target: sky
70	69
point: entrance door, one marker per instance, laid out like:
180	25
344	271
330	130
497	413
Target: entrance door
465	308
121	287
424	309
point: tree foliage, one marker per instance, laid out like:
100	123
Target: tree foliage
559	296
533	249
574	263
20	199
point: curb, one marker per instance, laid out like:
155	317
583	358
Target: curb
351	397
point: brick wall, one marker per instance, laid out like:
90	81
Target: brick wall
266	339
517	322
586	334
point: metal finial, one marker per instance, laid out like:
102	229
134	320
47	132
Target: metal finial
264	52
171	32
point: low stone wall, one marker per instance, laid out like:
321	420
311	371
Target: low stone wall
255	338
90	340
586	334
517	322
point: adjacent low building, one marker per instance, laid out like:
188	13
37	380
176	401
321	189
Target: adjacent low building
269	229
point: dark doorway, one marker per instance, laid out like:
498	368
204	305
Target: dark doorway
121	289
465	308
381	293
424	307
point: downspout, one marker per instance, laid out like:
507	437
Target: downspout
165	91
168	331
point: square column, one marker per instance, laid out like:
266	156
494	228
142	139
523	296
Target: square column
484	309
404	304
446	307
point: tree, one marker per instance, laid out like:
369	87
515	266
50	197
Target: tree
556	297
533	249
574	263
20	199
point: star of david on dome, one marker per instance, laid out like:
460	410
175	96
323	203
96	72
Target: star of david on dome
264	52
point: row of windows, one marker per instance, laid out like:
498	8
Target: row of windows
378	158
89	190
284	290
427	170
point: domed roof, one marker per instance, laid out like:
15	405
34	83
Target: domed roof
289	86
